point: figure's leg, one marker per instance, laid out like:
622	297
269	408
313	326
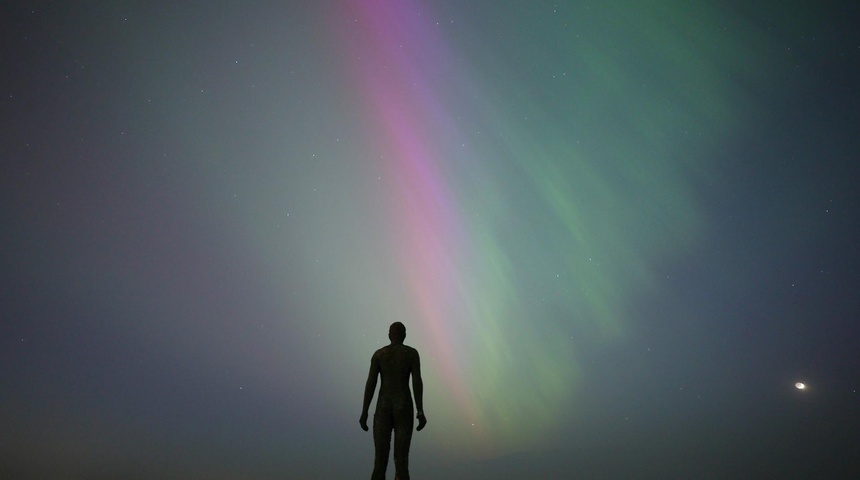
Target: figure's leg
403	423
382	425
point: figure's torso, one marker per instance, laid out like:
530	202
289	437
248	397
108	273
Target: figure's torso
395	366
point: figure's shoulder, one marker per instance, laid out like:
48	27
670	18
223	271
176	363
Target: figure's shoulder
382	351
410	350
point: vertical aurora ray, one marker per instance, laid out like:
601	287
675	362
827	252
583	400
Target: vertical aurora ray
426	225
398	61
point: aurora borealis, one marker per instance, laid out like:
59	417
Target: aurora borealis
619	234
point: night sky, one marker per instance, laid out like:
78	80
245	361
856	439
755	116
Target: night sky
618	233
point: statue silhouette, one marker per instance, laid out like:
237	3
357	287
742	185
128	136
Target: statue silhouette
394	363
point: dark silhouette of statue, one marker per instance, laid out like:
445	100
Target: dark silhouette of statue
394	363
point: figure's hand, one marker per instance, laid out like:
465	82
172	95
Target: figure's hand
422	420
363	421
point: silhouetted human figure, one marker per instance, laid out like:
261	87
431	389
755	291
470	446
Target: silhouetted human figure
394	363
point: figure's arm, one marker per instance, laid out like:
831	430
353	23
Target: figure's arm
418	389
369	389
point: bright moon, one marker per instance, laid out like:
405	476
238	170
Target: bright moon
800	386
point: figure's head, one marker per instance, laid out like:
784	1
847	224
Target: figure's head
397	332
